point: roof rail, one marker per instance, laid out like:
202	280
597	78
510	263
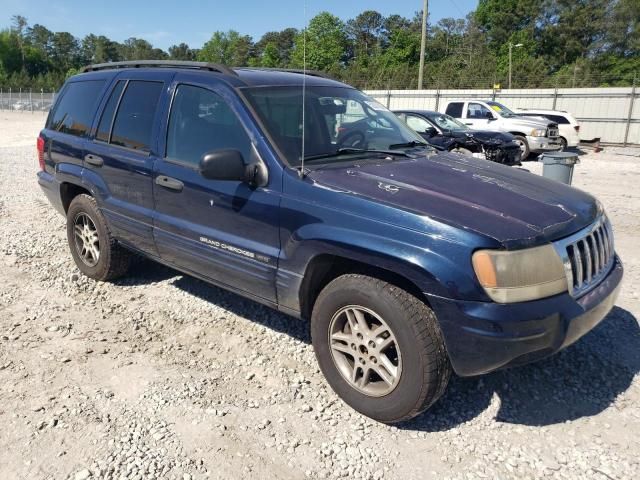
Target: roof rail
212	67
313	73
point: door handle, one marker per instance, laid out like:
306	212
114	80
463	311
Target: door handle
170	183
93	160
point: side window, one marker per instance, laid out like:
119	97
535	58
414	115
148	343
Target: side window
134	121
454	109
201	122
478	111
104	128
418	124
74	111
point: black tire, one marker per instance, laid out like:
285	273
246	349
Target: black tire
524	146
425	368
113	260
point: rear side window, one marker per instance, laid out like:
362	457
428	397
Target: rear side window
134	121
202	122
74	111
104	128
559	119
454	109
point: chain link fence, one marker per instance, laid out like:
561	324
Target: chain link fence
26	100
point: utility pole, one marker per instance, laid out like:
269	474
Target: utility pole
423	41
511	45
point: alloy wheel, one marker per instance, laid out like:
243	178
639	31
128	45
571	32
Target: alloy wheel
365	350
86	238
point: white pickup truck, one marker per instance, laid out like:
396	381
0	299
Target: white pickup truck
532	134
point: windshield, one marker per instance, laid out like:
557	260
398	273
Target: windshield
446	122
339	121
502	110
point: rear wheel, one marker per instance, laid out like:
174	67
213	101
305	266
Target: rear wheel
379	347
95	251
524	146
563	144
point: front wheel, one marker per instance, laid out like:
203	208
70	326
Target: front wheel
379	347
524	146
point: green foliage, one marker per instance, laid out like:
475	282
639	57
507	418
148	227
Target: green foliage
564	43
229	48
324	42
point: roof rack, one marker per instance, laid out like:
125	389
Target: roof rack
313	73
212	67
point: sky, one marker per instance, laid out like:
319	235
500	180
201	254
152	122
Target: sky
168	22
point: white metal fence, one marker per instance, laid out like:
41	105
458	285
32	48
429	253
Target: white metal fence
26	100
611	114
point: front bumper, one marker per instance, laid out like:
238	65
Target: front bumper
484	336
542	144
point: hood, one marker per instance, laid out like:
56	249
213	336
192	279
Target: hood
486	136
531	122
512	206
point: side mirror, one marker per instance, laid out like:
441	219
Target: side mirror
489	116
430	132
228	164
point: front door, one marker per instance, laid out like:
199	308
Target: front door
222	230
480	117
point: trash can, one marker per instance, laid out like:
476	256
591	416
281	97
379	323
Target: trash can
558	166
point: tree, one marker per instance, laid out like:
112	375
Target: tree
19	25
40	37
181	52
65	51
365	31
280	45
228	48
326	42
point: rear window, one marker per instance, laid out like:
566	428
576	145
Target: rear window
74	110
134	121
454	109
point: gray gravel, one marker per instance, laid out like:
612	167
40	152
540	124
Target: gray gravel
162	376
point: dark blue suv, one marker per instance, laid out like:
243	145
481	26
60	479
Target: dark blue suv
304	194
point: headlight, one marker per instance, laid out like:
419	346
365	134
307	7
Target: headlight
520	275
538	132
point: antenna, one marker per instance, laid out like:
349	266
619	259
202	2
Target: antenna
304	85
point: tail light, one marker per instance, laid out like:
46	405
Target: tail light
40	145
577	127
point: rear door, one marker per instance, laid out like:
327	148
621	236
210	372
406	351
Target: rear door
122	152
222	230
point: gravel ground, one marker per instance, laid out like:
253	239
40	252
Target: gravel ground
162	376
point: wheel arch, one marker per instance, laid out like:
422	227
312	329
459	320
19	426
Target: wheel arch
69	191
325	267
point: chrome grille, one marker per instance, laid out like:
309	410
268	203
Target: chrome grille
588	256
552	132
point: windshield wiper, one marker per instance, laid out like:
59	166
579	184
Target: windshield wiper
412	143
343	150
